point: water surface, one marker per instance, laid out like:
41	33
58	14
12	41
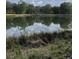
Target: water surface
62	19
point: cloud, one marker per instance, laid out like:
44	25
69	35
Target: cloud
43	2
52	2
39	3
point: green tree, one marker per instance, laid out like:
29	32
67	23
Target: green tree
9	7
15	8
66	8
22	8
47	9
56	10
30	9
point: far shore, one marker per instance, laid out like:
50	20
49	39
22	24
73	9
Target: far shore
18	15
21	15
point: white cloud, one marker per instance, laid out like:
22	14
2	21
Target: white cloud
36	28
39	2
44	2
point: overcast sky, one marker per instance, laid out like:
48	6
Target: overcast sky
43	2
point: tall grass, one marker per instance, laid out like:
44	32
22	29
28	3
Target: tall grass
41	46
58	50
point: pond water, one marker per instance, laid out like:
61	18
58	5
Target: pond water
25	21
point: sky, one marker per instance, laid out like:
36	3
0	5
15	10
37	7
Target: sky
43	2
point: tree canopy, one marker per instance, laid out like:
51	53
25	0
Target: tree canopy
24	8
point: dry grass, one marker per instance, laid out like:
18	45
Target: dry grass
60	48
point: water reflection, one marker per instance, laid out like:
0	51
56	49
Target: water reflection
63	20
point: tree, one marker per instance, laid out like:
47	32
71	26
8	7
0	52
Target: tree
22	8
66	8
47	9
56	10
30	9
15	8
9	7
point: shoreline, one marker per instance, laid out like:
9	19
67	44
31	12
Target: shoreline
42	15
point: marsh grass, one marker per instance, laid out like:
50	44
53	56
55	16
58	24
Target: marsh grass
41	46
58	50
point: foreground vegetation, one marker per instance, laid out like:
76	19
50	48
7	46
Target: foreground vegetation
41	46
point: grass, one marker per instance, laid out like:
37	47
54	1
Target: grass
17	15
39	46
58	50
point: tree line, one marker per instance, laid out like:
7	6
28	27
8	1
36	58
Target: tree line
24	8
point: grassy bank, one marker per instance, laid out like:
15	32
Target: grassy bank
41	46
40	15
17	15
58	50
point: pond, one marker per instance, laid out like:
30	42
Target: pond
24	21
